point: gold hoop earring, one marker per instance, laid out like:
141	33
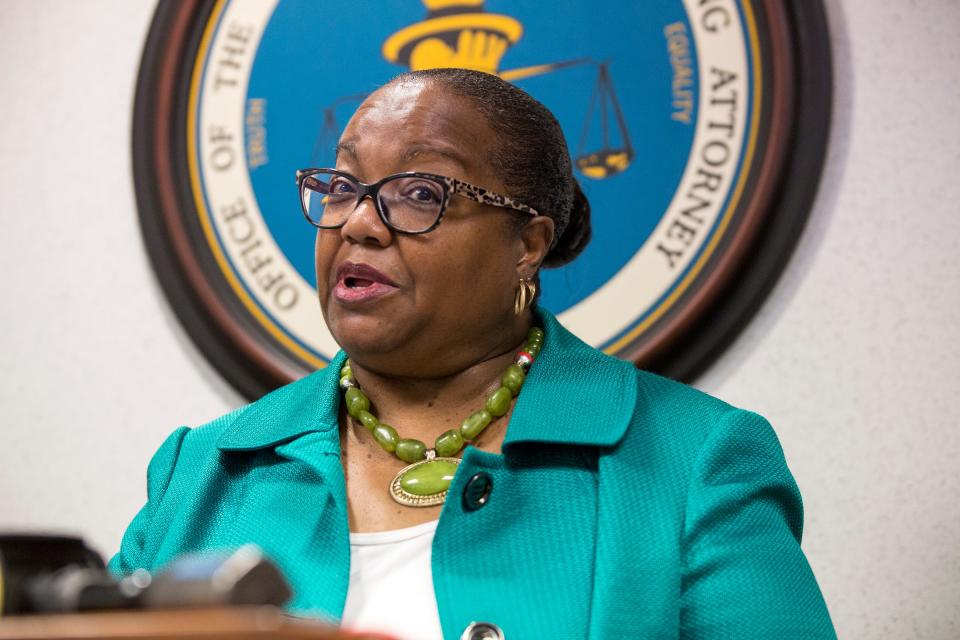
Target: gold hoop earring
525	294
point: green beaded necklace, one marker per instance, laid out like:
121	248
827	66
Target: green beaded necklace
425	481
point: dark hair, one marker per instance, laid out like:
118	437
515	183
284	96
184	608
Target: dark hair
531	153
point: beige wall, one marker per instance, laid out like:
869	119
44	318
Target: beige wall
855	358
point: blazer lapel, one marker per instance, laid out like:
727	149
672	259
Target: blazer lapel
526	557
573	394
283	456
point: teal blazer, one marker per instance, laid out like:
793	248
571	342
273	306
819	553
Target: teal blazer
624	505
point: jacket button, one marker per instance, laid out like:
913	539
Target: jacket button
476	494
482	631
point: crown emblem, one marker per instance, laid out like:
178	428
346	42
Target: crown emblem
455	33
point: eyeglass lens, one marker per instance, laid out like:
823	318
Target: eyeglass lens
410	204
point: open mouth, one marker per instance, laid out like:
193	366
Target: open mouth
361	282
357	283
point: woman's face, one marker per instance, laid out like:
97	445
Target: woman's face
428	304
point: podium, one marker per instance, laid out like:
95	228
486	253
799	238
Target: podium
182	624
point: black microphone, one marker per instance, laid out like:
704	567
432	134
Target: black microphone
28	562
50	574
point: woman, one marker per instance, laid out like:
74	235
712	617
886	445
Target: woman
593	500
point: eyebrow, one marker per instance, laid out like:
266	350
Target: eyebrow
347	147
410	153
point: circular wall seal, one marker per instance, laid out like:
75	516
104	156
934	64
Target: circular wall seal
697	127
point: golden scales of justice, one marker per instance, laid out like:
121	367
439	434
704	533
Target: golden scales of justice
461	33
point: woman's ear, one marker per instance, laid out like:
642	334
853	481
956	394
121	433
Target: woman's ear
536	237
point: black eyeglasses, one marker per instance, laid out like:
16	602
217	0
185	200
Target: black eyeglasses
410	202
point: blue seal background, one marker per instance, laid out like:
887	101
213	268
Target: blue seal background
334	53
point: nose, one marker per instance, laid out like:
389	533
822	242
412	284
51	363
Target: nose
364	225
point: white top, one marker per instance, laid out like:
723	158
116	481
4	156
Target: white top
391	584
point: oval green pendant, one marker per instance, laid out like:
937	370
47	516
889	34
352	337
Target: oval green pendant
424	483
